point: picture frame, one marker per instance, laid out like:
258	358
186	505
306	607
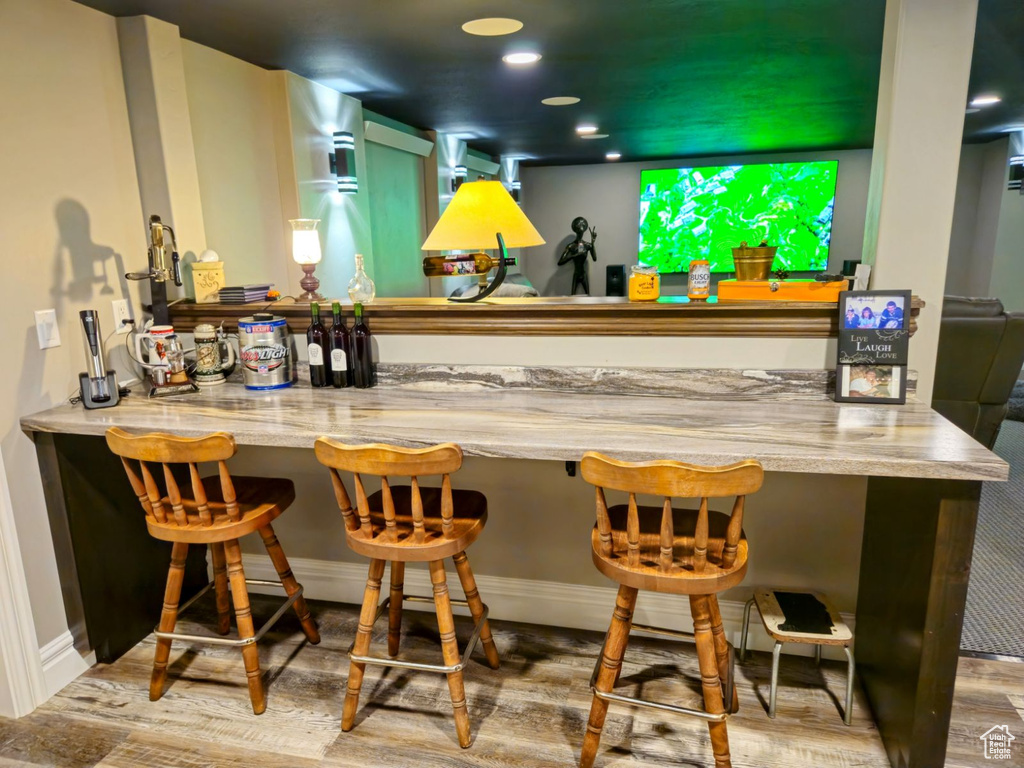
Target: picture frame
874	327
871	383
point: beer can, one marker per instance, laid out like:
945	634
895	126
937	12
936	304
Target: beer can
265	352
699	283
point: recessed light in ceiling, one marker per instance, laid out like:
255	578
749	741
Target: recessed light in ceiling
595	136
585	129
613	156
492	27
521	59
985	101
972	110
560	101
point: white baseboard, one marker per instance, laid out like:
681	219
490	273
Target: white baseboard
576	606
62	663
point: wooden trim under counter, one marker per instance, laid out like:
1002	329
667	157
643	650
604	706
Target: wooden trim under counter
554	316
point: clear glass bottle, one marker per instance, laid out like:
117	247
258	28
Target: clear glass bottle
361	288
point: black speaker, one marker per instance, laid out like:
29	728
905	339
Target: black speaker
615	280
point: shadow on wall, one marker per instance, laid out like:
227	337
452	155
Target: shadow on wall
88	263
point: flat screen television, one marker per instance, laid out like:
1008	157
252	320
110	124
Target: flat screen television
689	213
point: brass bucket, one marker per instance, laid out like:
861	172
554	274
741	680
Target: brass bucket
753	263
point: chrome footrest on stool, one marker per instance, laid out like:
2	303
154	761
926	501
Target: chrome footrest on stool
381	661
727	685
238	642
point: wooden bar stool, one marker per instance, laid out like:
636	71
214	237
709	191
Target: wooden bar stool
685	552
401	524
216	516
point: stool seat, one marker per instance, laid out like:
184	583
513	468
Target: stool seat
773	618
467	524
260	500
679	578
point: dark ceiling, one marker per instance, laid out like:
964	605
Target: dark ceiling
665	78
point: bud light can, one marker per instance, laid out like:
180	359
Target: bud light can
265	352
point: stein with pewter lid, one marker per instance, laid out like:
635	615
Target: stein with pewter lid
212	367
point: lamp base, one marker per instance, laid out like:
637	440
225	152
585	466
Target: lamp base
309	284
499	276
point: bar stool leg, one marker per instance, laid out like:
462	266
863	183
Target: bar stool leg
395	607
711	683
746	629
476	607
850	670
450	650
776	652
362	643
243	618
168	618
611	662
291	586
220	585
722	651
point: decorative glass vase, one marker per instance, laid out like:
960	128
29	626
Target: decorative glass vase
361	289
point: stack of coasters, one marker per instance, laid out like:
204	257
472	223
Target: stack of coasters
874	340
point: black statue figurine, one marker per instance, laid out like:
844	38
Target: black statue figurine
577	252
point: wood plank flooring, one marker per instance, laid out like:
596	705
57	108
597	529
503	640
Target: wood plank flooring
531	712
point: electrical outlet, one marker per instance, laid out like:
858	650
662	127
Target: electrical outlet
46	328
122	315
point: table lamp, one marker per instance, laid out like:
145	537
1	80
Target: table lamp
480	213
307	254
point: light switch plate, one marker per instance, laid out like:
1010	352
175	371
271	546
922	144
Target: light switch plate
46	328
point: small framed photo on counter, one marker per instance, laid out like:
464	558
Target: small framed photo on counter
871	383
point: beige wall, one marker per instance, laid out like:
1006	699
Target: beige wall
70	225
1008	257
233	106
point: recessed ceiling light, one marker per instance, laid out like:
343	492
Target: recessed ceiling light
613	156
595	136
519	59
586	128
972	110
560	101
985	101
492	27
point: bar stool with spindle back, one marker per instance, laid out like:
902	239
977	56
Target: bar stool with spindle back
401	524
685	552
215	516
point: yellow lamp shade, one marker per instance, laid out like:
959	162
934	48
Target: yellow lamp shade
478	212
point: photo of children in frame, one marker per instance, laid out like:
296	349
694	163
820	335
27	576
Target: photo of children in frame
871	383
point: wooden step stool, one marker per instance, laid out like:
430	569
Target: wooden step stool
773	618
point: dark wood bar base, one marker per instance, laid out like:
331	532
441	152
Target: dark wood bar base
915	565
112	572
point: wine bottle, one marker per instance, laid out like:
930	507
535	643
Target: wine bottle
341	359
362	352
463	264
316	348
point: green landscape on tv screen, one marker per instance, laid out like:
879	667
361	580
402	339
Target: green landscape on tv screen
691	213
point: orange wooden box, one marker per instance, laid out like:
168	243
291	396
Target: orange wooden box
788	290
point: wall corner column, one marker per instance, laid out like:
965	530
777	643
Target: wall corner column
926	64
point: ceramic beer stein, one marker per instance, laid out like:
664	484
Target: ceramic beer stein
211	366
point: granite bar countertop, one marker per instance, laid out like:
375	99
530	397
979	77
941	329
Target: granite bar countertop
724	417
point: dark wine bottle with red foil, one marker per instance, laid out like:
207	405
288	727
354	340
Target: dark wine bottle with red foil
362	352
317	346
341	348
